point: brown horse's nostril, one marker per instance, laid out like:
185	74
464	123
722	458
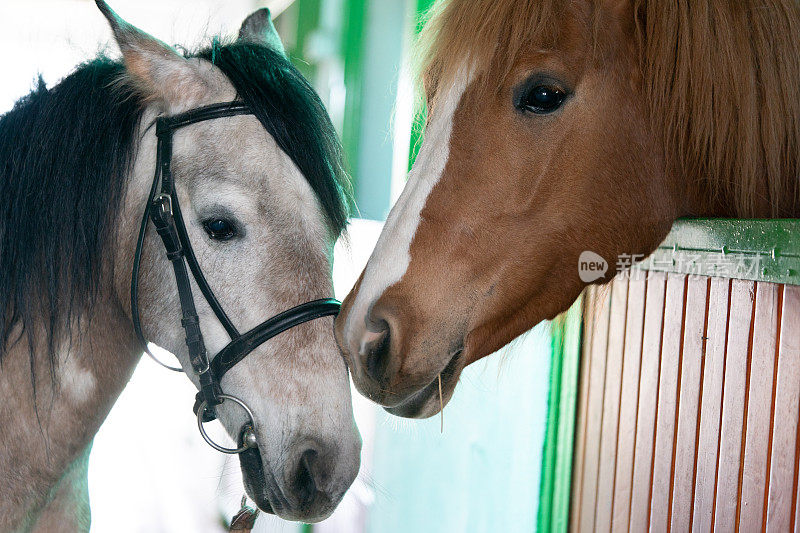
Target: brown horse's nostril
377	354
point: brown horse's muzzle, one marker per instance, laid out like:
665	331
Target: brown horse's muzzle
396	356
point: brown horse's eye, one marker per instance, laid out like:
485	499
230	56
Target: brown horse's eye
219	229
542	99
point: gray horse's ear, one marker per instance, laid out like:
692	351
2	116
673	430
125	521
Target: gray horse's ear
156	69
258	28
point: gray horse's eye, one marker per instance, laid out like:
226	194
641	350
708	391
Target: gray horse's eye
219	229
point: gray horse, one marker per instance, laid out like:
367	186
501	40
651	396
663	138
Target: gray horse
263	200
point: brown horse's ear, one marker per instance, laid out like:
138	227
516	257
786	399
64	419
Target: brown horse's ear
156	69
258	28
627	9
618	6
630	15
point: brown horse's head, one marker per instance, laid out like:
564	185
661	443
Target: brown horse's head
558	128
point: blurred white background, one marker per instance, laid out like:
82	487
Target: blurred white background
52	36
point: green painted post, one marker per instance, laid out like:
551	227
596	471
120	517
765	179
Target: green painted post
556	477
308	13
353	52
421	115
351	45
568	405
544	517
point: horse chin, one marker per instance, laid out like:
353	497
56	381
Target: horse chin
419	405
425	402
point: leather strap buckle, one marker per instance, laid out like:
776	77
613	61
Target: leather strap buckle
163	203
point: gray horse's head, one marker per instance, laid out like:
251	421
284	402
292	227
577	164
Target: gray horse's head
262	207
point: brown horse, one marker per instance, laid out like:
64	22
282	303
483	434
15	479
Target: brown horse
558	127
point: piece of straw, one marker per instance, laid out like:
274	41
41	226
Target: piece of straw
441	406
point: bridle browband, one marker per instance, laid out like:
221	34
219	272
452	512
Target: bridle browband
164	211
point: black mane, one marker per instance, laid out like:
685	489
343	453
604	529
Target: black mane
291	111
65	153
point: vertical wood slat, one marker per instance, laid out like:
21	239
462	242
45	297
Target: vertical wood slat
710	405
733	404
580	430
596	386
667	401
689	443
688	402
648	387
754	475
629	401
610	417
797	504
782	489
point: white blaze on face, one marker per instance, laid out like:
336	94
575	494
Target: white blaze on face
391	257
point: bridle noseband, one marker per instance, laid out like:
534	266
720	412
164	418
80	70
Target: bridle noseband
164	211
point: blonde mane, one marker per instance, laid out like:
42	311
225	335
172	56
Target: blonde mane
721	76
482	33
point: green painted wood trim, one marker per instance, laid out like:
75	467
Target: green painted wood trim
556	477
759	250
417	132
544	515
353	53
308	13
423	6
568	413
420	115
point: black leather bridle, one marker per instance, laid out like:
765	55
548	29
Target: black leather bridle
164	211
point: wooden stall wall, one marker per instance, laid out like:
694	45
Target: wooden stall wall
688	406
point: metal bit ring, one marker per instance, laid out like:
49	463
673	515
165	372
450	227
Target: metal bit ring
248	439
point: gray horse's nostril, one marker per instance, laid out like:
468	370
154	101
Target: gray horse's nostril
303	483
313	478
376	353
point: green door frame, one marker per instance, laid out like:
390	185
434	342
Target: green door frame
421	114
352	46
556	473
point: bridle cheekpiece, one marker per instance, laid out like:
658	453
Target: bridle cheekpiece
163	209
